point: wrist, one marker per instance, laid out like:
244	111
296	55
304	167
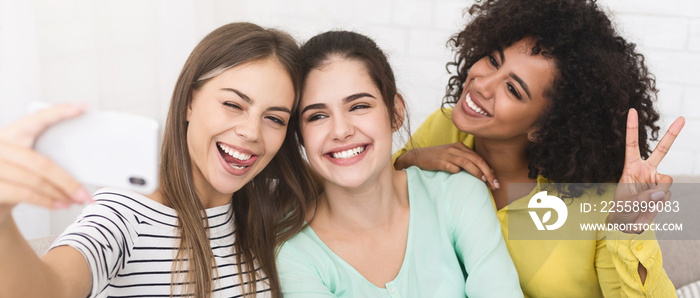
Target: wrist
400	162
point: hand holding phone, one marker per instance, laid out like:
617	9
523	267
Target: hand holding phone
28	177
102	148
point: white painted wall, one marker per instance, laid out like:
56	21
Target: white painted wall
126	54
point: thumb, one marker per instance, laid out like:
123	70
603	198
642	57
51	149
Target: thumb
26	130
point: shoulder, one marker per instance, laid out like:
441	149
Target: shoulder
444	182
304	252
112	200
302	245
438	129
128	207
451	195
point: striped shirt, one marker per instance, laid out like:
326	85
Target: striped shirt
129	242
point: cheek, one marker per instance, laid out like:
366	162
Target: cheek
274	140
376	122
194	134
313	140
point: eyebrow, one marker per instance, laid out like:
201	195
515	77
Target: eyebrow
247	99
522	83
240	94
347	99
315	106
356	96
514	76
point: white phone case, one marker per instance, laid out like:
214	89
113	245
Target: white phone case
101	148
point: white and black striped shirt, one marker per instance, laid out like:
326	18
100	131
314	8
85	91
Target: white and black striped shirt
129	242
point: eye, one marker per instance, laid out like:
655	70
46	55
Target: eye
493	61
514	91
317	116
233	105
277	120
360	106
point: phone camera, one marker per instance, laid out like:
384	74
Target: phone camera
137	181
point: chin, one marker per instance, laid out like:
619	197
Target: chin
348	182
228	185
228	188
461	123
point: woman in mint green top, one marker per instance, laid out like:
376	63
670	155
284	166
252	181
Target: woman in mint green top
377	232
451	223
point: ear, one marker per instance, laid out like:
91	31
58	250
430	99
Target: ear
399	112
532	135
189	106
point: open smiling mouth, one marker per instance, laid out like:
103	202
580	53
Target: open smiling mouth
345	154
236	159
474	107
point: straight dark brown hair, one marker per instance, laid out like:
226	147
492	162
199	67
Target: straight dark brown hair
319	50
269	209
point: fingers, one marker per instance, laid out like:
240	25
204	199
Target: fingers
25	131
450	158
661	191
665	182
17	178
449	167
22	167
13	194
477	166
666	141
457	156
632	137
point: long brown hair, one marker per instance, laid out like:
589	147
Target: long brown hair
267	210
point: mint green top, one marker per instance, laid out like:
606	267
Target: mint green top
454	249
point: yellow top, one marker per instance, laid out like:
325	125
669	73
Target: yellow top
595	264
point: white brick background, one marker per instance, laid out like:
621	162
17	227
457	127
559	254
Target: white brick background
126	54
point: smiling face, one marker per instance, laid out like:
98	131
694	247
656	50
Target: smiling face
345	124
237	123
504	93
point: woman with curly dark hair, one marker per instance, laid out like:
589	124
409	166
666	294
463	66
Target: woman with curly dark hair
540	94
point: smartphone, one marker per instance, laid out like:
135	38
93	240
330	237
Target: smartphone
105	148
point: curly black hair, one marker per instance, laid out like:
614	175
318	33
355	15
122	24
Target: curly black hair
599	76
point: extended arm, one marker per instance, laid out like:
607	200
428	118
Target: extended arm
28	177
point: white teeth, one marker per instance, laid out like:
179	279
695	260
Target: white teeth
473	106
348	153
235	154
237	167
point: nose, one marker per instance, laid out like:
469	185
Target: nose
342	128
485	85
249	129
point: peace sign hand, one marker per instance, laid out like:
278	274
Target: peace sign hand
640	183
